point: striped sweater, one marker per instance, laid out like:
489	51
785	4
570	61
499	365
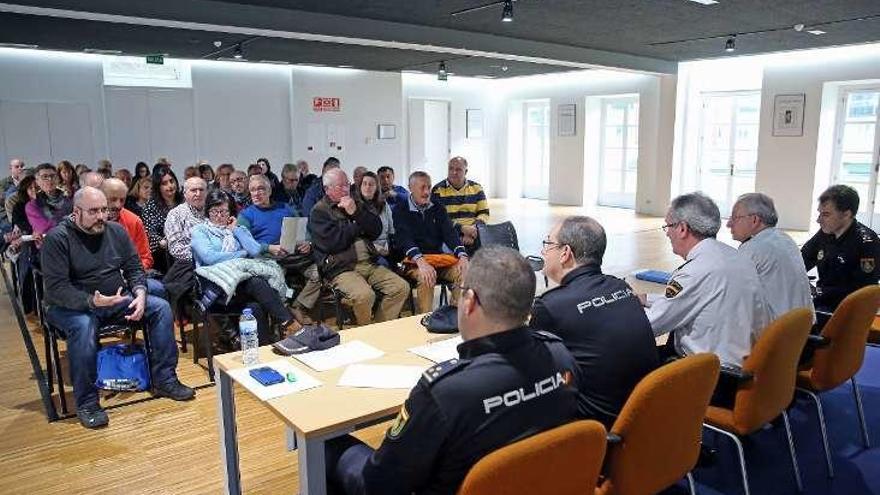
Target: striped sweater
465	206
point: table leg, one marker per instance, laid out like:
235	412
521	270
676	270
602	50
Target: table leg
290	439
228	435
312	476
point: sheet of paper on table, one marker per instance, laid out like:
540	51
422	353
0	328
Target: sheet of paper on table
380	376
303	381
439	351
341	355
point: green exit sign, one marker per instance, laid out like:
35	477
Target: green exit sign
156	59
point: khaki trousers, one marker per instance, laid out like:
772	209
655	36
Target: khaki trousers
359	289
425	293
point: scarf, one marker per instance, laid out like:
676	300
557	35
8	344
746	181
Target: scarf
227	236
54	208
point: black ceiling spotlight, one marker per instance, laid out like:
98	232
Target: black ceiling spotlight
442	74
507	12
730	45
238	54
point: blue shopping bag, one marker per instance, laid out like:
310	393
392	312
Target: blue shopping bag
123	368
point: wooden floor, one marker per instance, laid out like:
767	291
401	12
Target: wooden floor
164	447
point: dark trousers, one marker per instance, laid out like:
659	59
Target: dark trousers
344	460
255	293
82	344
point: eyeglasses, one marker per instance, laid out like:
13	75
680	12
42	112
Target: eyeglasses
547	244
259	189
734	218
47	176
218	211
464	289
669	226
95	211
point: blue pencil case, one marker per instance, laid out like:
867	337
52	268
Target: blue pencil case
655	276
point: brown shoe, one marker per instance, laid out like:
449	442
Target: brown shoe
301	316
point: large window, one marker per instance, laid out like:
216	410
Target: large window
728	152
536	150
857	148
619	151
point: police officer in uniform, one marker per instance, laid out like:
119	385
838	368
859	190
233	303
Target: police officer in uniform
844	252
714	301
597	316
508	383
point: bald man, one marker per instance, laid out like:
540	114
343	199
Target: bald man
92	179
93	277
183	217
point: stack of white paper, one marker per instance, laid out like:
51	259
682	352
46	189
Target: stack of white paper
303	380
341	355
438	352
380	376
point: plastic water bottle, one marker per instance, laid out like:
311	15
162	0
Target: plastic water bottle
247	331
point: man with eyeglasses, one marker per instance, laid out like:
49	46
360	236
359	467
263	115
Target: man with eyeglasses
9	188
845	252
343	233
238	189
183	217
93	277
714	301
597	316
775	255
50	205
263	219
508	383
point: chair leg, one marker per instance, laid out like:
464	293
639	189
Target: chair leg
692	487
59	376
794	462
49	360
858	396
340	314
196	337
742	456
443	297
182	332
208	343
822	429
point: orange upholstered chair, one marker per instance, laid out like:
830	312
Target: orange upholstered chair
563	461
874	332
846	334
655	440
768	388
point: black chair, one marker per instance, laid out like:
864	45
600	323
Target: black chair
52	334
504	234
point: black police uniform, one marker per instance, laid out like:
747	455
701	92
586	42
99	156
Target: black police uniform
845	264
602	323
504	387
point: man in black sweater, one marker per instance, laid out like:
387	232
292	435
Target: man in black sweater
423	227
93	277
598	317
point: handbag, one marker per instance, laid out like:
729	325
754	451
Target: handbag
442	320
123	368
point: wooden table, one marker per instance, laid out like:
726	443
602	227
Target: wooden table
316	415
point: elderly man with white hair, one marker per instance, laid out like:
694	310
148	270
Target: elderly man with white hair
714	301
183	217
775	255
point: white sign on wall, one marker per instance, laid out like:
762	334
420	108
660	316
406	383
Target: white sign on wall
135	71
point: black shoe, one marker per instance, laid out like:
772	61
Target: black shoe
174	390
708	456
92	417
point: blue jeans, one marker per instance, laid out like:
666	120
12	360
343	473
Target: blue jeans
155	287
80	328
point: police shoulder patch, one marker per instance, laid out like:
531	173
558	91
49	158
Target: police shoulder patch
672	289
399	424
435	373
868	265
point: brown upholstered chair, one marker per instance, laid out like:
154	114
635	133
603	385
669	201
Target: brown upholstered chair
562	461
874	332
767	386
655	440
838	361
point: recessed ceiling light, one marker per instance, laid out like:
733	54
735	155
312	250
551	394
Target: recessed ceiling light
730	45
18	45
817	32
103	52
276	62
705	2
345	66
412	71
507	11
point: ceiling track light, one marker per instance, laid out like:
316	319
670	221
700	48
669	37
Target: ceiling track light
507	11
238	54
442	73
730	45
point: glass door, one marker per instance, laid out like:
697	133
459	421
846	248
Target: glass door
619	152
728	153
856	153
536	150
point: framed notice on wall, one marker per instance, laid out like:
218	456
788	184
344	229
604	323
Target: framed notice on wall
788	115
567	120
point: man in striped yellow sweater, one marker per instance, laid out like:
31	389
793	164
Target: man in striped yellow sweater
464	200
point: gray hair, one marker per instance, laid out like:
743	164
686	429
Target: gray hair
504	283
93	179
261	178
418	174
290	167
585	237
332	176
188	183
760	205
698	211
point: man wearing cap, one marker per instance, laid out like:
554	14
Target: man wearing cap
464	409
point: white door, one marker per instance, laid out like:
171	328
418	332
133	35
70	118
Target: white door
428	137
858	145
619	151
729	146
536	150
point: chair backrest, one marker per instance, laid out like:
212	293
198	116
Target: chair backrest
773	365
503	234
848	332
660	427
563	461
